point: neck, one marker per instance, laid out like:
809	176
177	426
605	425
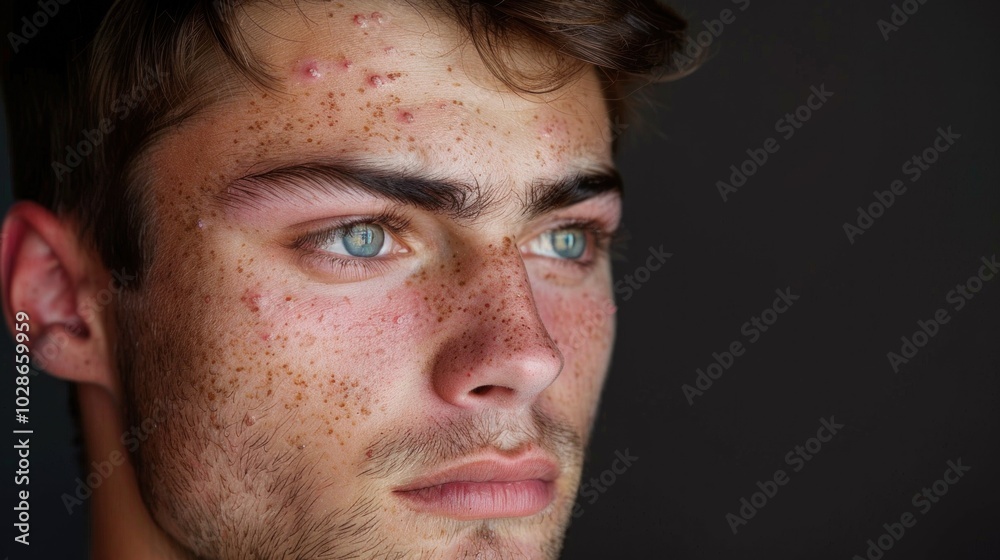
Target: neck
122	526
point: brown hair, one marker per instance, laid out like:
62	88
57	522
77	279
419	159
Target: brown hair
78	135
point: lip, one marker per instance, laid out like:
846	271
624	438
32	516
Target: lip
486	488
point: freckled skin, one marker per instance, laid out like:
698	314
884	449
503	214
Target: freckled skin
289	375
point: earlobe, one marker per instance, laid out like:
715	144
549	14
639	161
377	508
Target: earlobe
48	275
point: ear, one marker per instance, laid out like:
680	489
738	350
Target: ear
47	274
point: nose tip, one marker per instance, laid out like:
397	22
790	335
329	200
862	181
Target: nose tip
505	360
501	376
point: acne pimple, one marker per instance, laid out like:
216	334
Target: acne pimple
309	70
376	18
376	81
404	116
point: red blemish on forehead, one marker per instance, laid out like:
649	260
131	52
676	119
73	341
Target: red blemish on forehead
252	300
308	70
404	116
555	127
367	20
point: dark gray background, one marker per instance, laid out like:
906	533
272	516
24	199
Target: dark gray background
827	354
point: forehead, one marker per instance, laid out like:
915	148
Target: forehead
385	82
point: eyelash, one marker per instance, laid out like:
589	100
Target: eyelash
598	234
393	222
396	224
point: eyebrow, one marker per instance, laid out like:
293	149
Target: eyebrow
306	182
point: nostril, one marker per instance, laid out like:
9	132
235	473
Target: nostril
482	390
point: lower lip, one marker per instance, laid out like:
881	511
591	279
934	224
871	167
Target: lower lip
482	500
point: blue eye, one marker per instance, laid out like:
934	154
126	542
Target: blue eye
568	243
565	243
363	240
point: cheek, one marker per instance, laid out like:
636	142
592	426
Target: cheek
582	325
334	359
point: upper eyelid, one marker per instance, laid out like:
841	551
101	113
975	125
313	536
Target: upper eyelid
394	224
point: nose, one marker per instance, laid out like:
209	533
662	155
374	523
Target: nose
501	356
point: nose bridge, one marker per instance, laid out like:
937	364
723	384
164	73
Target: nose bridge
503	355
507	300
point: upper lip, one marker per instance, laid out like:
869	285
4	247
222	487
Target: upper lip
493	468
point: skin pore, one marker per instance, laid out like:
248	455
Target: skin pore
295	387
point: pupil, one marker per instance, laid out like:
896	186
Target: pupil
569	244
364	240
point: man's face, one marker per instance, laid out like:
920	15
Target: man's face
377	320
